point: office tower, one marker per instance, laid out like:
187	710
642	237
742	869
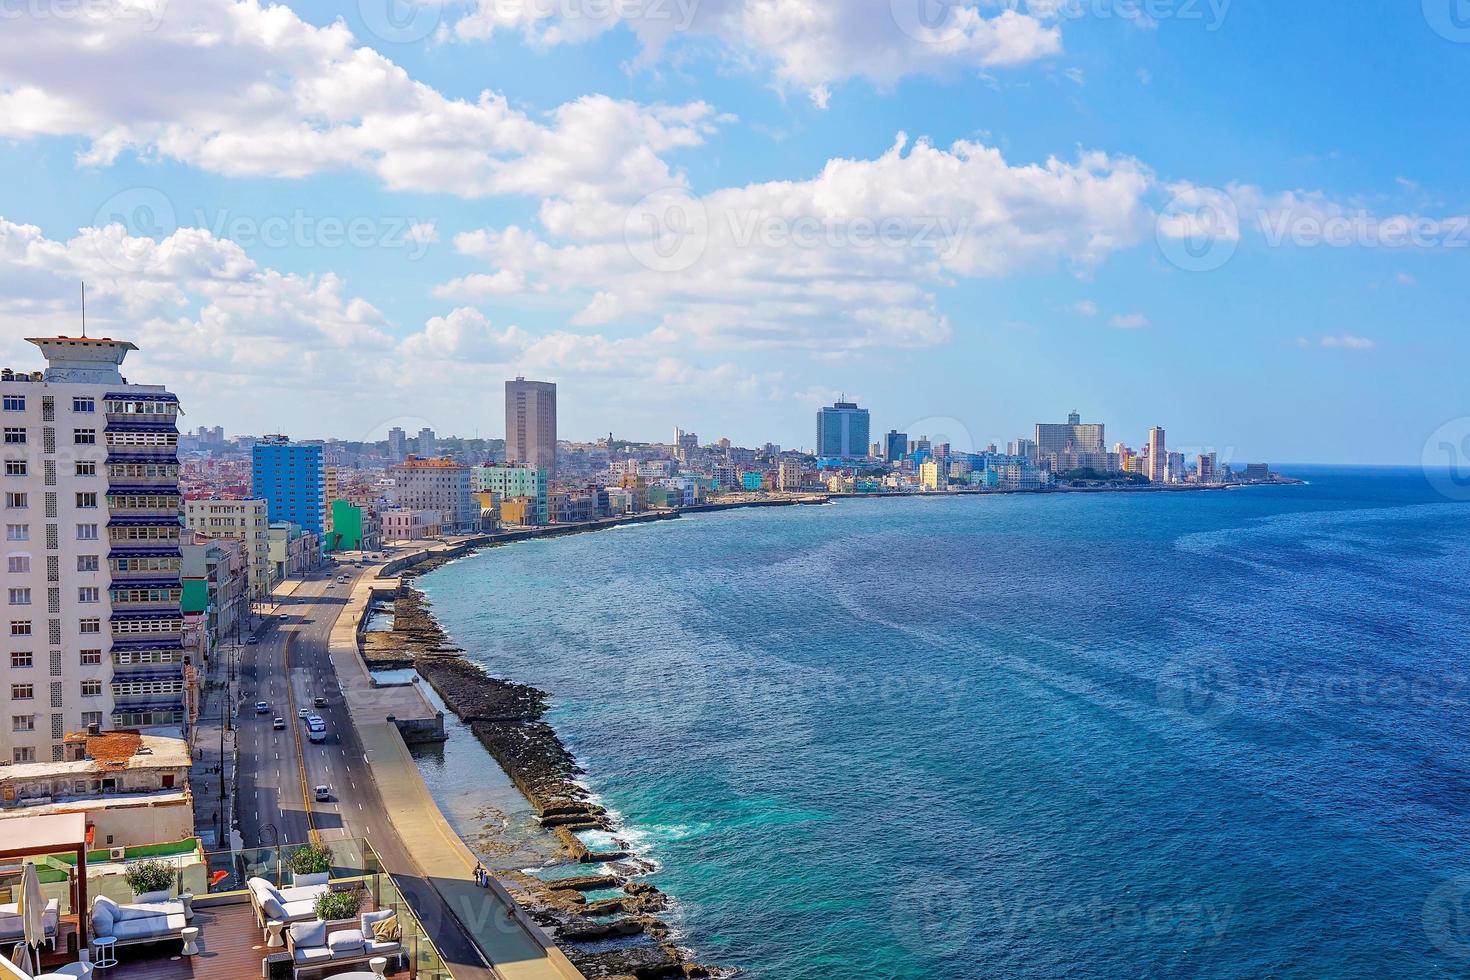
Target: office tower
428	443
896	444
842	431
397	443
1024	448
1073	445
1206	465
530	424
290	478
93	615
1158	456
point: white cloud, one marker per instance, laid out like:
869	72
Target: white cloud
1085	307
1348	342
1129	321
247	90
808	44
845	260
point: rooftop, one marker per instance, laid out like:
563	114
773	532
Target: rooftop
117	751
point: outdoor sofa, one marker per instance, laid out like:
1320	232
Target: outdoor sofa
317	945
151	918
12	929
296	904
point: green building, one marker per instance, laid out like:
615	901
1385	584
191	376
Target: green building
347	527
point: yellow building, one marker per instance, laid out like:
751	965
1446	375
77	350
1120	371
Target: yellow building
933	476
518	511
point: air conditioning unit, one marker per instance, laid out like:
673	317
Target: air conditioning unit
118	853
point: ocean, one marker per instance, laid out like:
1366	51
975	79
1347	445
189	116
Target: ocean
1219	734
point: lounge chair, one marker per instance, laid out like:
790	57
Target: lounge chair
12	928
152	920
284	904
317	945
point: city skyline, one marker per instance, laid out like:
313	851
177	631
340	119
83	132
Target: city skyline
846	228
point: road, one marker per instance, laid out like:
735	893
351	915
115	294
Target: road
288	668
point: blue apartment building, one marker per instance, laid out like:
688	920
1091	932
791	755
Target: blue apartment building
291	479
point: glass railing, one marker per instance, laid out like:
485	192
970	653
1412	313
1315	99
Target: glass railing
199	873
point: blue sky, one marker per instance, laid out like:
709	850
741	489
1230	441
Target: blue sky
718	214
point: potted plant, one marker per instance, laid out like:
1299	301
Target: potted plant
150	881
339	906
310	864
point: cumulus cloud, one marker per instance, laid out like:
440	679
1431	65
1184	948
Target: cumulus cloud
847	259
1129	321
245	89
807	44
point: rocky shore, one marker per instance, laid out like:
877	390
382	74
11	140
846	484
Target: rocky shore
609	935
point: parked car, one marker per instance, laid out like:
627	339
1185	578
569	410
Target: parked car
279	723
261	708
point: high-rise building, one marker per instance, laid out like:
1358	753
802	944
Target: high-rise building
842	431
428	443
1206	472
291	479
514	483
1158	456
530	424
438	485
397	443
1073	445
788	475
896	444
93	615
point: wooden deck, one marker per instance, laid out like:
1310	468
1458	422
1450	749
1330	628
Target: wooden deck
231	947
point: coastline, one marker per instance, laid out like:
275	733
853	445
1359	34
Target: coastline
595	905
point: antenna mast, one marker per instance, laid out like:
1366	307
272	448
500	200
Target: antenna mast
84	308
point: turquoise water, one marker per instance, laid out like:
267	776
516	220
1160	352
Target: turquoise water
1205	734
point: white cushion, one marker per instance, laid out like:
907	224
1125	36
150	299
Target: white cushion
307	881
309	934
151	898
345	941
104	914
313	954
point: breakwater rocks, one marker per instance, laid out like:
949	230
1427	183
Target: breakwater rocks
606	934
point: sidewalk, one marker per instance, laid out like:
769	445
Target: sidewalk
215	756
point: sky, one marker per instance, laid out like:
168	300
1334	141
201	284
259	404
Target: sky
1243	221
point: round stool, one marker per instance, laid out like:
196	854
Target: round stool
188	899
106	951
273	930
188	935
379	965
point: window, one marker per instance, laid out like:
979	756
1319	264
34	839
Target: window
15	403
20	627
83	405
86	532
15	467
23	723
22	692
90	626
17	501
19	661
87	500
15	435
18	564
84	437
91	689
22	754
90	718
91	658
20	597
86	469
87	563
88	593
17	532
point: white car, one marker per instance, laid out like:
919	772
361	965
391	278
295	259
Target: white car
323	794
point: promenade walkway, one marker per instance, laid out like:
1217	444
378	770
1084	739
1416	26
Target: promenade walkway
514	945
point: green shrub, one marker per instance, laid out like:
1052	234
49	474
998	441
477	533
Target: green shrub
149	876
309	859
334	906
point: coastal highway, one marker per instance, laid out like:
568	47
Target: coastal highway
287	668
